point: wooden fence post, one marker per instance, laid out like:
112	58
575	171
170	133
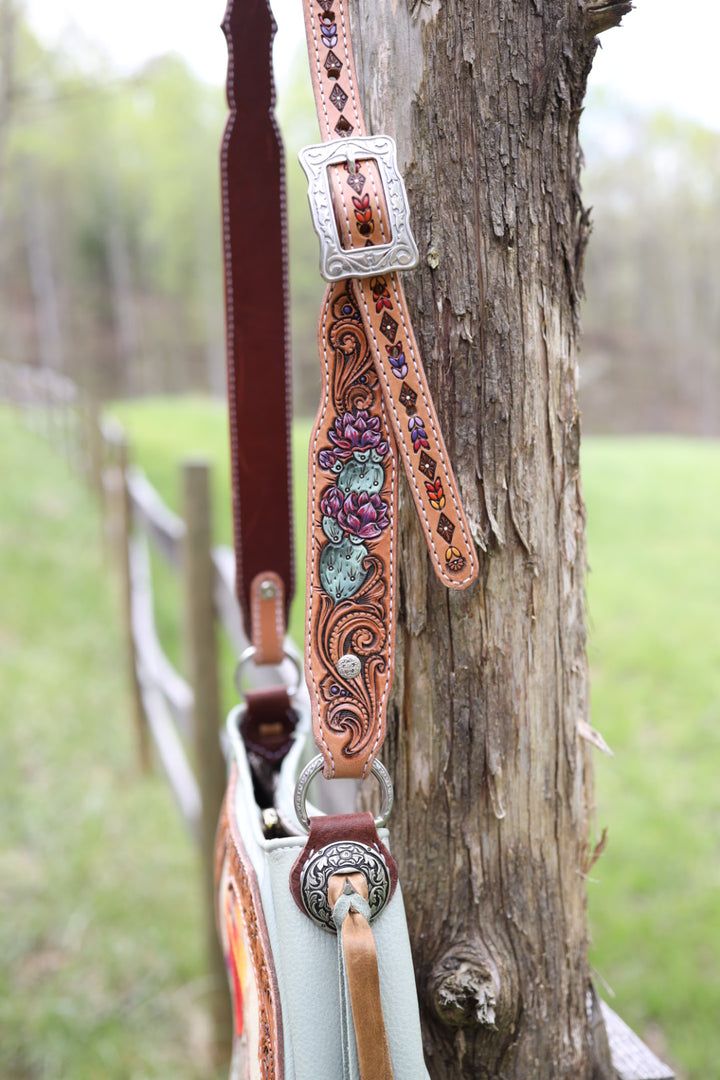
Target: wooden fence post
120	517
202	667
94	444
66	421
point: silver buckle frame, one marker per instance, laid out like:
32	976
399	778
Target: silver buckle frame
337	262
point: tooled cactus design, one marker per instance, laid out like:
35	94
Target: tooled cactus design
353	513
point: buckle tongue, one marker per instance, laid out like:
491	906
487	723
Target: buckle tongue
337	262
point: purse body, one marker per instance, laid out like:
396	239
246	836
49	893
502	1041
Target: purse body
283	968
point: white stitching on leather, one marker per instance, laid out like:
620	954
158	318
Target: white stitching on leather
321	86
349	64
408	458
311	523
227	252
438	437
229	288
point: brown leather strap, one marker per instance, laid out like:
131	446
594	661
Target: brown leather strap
267	616
363	980
258	354
352	545
268	723
376	409
362	220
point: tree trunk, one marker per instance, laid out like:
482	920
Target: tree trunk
493	779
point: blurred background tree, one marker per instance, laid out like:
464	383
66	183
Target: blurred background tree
110	259
652	318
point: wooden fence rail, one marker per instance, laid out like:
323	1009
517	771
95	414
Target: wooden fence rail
177	714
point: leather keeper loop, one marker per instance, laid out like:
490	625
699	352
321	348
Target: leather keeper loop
267	617
268	724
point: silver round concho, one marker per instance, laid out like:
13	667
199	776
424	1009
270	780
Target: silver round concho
349	666
343	856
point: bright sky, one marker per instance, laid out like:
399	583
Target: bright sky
664	55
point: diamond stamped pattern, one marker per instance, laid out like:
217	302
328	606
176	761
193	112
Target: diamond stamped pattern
343	127
338	97
333	66
389	327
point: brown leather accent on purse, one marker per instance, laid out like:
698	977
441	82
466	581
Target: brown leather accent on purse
267	617
363	980
329	829
242	880
268	723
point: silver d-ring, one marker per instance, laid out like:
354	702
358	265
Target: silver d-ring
247	655
315	766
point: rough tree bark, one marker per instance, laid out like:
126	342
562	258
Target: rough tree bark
493	779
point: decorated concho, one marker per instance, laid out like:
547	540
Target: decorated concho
344	856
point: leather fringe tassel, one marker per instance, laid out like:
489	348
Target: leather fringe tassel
367	1055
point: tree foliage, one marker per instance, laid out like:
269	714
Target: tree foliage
652	317
111	202
110	254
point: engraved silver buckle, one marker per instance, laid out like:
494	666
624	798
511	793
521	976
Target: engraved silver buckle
337	262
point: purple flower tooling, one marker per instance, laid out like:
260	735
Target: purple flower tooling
355	431
418	433
327	459
331	502
363	515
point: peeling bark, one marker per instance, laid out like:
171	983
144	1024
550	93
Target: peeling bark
494	784
605	14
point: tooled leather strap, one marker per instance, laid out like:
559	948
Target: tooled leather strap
362	218
375	407
352	514
258	353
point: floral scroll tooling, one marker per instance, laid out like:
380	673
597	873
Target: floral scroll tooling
353	512
353	531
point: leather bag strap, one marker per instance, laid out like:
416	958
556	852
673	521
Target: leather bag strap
258	351
362	219
352	546
376	410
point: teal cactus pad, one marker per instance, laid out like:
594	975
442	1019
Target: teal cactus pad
342	572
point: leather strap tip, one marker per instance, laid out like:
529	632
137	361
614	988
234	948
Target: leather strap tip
267	617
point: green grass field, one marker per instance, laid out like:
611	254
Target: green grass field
102	968
100	937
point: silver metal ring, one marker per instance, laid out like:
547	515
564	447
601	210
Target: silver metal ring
247	655
315	766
